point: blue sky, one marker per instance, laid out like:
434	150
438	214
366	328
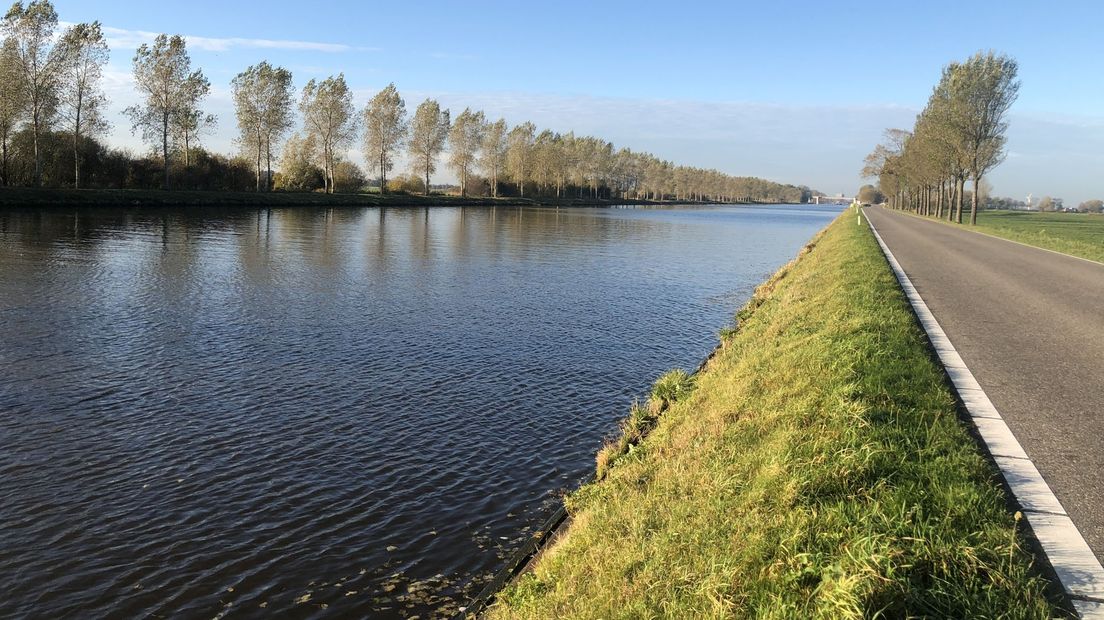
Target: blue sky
797	92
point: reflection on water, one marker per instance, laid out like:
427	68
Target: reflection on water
355	410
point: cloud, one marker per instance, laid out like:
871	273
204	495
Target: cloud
120	38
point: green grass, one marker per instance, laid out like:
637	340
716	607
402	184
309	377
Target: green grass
817	468
1079	234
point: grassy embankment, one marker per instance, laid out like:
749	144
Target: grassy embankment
41	198
816	468
1079	234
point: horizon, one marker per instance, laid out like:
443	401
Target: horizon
793	102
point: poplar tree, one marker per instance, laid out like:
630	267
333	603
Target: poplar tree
493	150
428	132
263	106
519	152
39	63
12	105
82	100
163	75
190	122
384	130
328	118
984	88
465	139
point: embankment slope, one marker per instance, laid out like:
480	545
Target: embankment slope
818	469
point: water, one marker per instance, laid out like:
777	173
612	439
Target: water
330	412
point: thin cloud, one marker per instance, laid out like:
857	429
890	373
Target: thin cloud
121	38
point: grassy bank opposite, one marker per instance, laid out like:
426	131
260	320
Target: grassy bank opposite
816	468
1078	234
23	198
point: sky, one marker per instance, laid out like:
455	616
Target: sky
795	92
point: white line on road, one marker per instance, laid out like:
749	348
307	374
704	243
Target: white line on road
1074	563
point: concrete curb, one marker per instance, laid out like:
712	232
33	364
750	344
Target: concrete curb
1076	567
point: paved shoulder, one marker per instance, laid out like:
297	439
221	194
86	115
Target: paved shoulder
1030	325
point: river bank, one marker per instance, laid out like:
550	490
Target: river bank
817	468
30	198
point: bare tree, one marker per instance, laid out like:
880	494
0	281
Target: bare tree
327	109
384	130
82	100
465	139
39	64
493	159
428	133
519	152
163	76
263	105
12	104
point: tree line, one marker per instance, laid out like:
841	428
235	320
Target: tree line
53	116
958	137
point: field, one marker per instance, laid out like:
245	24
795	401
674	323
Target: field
1079	234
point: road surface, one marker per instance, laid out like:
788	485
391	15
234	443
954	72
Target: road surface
1030	326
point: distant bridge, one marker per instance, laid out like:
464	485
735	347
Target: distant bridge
832	200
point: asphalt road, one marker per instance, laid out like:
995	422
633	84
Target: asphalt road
1030	326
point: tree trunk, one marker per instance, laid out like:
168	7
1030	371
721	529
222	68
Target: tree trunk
38	159
383	173
165	146
427	176
76	146
974	200
76	159
268	164
958	202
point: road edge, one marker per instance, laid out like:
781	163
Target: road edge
1074	564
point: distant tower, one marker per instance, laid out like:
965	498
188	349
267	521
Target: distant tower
1028	201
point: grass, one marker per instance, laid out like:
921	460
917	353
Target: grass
816	468
1079	234
24	198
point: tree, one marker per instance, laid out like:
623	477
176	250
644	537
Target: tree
1091	206
82	100
190	121
519	148
384	130
262	103
493	149
982	90
39	63
163	76
868	194
1046	203
348	177
465	139
327	109
298	172
11	105
428	133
